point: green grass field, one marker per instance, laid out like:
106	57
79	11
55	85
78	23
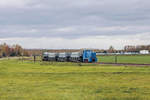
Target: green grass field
71	81
137	59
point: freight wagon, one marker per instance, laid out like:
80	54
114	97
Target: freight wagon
63	57
87	56
47	56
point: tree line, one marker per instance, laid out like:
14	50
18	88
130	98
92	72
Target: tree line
13	50
132	48
129	48
16	50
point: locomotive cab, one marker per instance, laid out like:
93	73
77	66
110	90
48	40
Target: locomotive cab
89	56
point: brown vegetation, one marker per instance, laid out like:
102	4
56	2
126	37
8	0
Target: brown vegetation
14	50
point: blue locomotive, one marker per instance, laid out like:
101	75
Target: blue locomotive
87	56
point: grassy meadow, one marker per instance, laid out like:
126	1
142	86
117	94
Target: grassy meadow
71	81
137	59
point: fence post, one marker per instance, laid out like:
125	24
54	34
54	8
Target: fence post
34	58
22	57
116	59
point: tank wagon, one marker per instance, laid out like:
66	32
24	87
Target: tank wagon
86	56
76	57
62	57
47	56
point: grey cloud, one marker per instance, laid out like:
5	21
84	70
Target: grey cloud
68	32
49	18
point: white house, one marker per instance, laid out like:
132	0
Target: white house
144	52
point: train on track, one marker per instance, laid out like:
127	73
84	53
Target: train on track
86	56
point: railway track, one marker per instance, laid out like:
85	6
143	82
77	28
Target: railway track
125	64
114	64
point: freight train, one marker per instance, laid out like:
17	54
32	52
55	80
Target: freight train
87	56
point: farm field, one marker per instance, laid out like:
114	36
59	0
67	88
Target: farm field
136	59
71	81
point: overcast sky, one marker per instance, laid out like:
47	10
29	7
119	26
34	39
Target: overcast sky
56	24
